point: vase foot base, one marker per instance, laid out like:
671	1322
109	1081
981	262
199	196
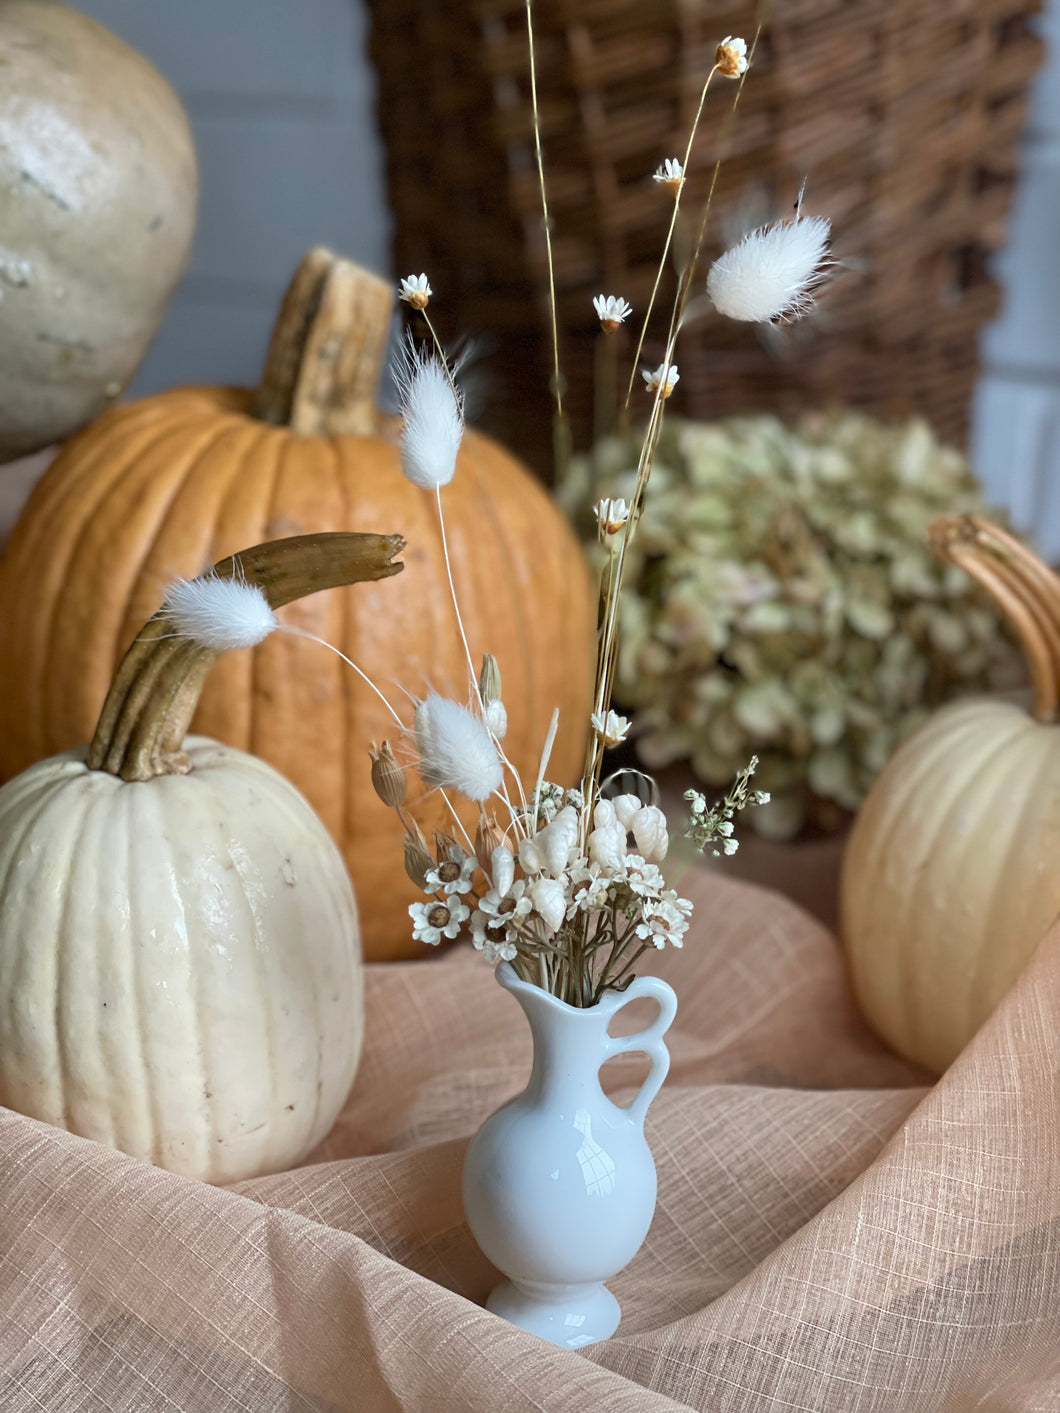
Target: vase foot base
567	1315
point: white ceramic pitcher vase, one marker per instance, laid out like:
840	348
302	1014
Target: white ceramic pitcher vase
559	1183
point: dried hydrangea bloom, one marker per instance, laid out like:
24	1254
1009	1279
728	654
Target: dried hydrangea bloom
781	598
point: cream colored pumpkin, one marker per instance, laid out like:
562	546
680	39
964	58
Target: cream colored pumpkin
98	188
952	872
180	968
180	971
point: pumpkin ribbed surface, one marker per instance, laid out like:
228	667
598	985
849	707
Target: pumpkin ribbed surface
951	875
179	975
163	487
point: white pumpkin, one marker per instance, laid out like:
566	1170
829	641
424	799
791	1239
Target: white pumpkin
180	970
98	188
952	872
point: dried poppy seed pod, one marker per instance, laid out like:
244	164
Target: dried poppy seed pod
489	679
488	836
418	858
388	779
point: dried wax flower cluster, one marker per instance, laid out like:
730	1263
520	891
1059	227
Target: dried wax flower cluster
782	598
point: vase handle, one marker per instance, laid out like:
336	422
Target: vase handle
650	1039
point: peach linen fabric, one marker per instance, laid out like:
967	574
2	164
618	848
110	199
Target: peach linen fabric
831	1233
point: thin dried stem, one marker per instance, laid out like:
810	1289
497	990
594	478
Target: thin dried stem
560	438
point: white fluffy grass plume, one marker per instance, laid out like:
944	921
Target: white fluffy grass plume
433	420
771	274
219	613
455	748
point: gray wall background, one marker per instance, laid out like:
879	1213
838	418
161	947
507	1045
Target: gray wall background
282	103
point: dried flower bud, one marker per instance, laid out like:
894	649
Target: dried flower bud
495	716
731	58
388	779
489	679
488	836
417	858
444	844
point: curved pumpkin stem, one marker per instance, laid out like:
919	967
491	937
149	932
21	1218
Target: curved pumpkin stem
1026	590
327	349
156	688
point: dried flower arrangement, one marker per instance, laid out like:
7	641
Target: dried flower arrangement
565	884
782	597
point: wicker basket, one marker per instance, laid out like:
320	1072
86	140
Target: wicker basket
903	116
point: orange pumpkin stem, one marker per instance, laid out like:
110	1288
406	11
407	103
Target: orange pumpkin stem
1023	587
327	349
156	688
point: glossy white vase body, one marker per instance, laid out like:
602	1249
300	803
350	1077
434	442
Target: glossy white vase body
559	1183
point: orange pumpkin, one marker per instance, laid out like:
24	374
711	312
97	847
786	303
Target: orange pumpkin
164	487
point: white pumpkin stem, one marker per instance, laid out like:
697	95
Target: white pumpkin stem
156	688
1026	591
327	349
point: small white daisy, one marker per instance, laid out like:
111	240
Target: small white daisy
610	727
433	921
662	377
611	515
453	875
670	174
416	291
731	57
611	310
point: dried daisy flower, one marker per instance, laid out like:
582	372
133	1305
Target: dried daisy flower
610	727
731	59
662	377
611	311
771	274
611	515
670	174
416	291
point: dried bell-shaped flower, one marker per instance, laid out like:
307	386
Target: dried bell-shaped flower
418	858
488	836
489	679
444	844
388	779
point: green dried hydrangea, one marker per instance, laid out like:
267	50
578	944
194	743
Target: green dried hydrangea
781	600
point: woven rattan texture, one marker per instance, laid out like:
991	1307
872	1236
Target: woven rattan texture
903	118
